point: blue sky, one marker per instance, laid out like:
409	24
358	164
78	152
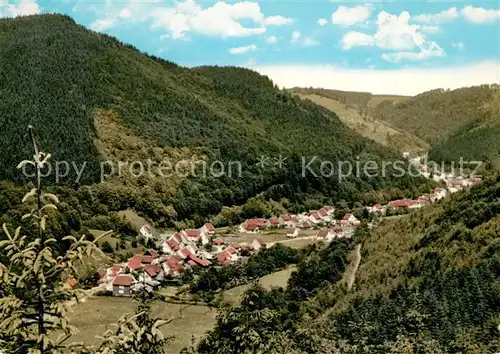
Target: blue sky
391	47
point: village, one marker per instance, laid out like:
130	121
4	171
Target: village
202	247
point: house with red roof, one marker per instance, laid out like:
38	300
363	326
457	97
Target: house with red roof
135	262
193	236
208	229
323	234
224	258
292	222
349	220
253	225
122	284
402	203
172	267
273	222
315	217
257	244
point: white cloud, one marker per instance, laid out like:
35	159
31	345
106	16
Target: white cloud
480	15
395	33
277	21
401	81
20	8
125	13
305	41
102	24
430	29
322	21
432	50
440	17
243	49
458	45
356	39
308	41
271	39
348	16
222	19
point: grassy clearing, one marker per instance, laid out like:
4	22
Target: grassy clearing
276	279
267	236
96	315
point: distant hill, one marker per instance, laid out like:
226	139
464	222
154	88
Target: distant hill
435	114
354	109
93	99
452	123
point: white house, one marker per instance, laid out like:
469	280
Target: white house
146	232
257	244
349	220
208	229
295	233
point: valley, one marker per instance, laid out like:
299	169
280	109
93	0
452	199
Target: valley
149	207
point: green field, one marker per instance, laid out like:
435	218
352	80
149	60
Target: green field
276	279
96	315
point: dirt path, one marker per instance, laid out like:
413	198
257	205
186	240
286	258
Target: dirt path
351	277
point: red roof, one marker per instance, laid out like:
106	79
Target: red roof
285	217
322	233
230	250
475	179
316	215
322	212
253	224
177	237
192	233
173	244
236	246
153	270
116	270
457	182
218	241
402	203
191	262
152	253
343	222
347	216
185	252
209	227
378	206
122	280
274	221
72	282
148	259
199	261
135	262
101	273
224	257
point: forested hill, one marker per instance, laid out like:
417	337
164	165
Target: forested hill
427	283
92	98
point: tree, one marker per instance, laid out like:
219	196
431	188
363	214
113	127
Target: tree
31	307
106	247
32	292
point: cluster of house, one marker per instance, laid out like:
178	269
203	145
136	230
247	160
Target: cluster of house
181	251
306	220
199	247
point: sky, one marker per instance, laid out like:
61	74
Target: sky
394	47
